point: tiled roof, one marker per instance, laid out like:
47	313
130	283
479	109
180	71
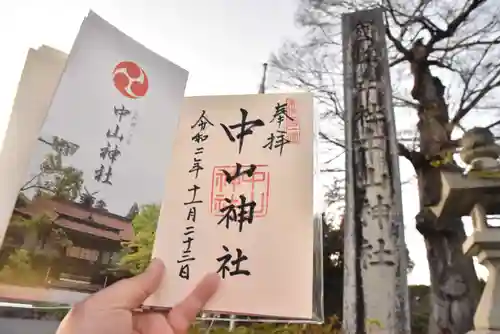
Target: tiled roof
60	211
75	226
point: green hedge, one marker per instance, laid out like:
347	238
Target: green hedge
331	326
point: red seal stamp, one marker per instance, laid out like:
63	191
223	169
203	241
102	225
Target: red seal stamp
254	188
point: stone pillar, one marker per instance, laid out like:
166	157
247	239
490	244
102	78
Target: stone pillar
375	256
485	244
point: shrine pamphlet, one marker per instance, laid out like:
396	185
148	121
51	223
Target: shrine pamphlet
94	169
240	202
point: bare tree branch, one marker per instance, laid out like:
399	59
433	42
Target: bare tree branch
330	140
467	45
493	124
453	26
414	157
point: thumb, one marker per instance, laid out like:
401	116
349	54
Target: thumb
131	292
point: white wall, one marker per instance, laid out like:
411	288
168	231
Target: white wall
27	326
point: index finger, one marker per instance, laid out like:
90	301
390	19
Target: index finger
183	314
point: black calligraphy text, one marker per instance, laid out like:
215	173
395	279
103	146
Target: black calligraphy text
111	151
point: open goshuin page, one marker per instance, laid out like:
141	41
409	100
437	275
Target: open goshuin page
240	203
84	212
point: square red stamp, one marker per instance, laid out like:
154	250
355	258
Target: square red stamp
292	126
254	188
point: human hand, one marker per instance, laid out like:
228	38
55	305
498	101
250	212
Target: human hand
109	311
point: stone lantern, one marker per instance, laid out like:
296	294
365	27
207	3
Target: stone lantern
480	152
475	192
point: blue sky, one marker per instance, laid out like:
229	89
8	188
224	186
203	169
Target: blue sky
222	43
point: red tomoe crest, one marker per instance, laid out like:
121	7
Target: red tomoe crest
130	80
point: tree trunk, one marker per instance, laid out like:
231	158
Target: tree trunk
454	284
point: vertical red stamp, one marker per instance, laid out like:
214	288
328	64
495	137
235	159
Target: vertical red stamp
254	188
292	126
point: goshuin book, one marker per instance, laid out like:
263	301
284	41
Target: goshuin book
115	166
241	202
